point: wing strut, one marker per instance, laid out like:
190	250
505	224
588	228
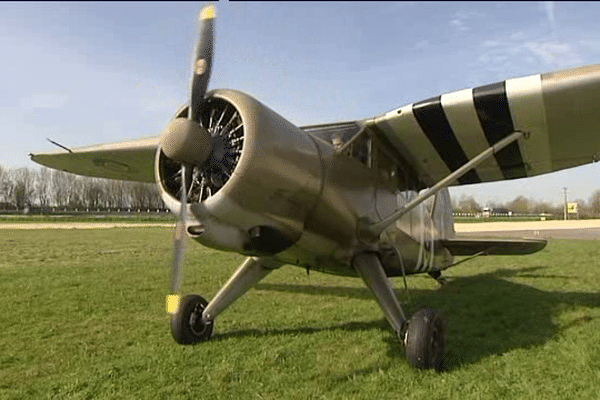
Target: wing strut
374	230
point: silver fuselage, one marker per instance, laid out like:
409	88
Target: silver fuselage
315	196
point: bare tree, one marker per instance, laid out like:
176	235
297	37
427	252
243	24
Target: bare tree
494	205
43	187
6	186
467	204
542	207
144	196
115	193
93	193
23	181
594	203
519	205
52	188
61	183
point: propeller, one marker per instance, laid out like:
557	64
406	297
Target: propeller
186	141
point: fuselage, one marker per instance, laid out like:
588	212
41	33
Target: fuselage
356	192
299	196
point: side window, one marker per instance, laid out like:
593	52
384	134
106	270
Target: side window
388	170
361	149
358	147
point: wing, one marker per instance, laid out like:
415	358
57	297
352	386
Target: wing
559	113
131	160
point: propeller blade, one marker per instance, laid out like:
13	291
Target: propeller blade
180	236
202	62
177	139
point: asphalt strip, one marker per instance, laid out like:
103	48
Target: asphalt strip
526	225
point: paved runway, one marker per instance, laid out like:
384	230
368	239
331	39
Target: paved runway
576	229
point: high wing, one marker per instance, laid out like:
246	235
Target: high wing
131	160
557	111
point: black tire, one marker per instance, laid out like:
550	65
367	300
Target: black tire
186	323
426	339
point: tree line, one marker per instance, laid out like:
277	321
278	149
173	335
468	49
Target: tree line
523	205
48	189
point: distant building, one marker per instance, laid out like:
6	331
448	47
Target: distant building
496	211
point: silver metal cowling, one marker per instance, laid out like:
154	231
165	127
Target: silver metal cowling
274	186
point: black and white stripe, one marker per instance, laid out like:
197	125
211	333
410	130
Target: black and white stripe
432	119
443	133
491	104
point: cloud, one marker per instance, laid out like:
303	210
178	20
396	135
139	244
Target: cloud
459	24
554	53
461	18
44	100
519	35
421	44
550	16
491	43
549	7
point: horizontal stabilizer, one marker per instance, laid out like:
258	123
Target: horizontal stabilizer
469	247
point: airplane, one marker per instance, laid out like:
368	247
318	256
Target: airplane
366	198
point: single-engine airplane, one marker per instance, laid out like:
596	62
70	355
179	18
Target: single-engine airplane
366	198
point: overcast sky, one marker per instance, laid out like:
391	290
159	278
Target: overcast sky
87	73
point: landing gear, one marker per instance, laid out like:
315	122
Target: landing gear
425	339
193	320
437	275
187	325
424	335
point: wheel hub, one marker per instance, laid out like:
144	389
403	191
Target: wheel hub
197	325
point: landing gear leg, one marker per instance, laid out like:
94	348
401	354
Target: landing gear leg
424	335
371	271
192	322
251	271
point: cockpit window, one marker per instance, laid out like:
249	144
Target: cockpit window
343	136
340	133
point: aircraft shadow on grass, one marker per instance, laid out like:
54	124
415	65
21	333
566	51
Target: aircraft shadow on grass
487	314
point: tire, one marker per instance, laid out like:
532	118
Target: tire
186	323
426	339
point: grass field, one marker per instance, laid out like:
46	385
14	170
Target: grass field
83	317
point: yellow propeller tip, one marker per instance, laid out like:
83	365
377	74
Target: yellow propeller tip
209	12
172	303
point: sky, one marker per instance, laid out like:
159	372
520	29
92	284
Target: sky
96	72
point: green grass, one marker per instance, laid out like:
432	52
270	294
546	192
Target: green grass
84	317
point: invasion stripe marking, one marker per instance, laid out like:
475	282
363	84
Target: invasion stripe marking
462	117
493	111
404	132
529	115
432	120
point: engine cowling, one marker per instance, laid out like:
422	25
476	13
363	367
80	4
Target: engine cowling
261	180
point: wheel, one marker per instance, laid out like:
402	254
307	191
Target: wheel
187	326
425	339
